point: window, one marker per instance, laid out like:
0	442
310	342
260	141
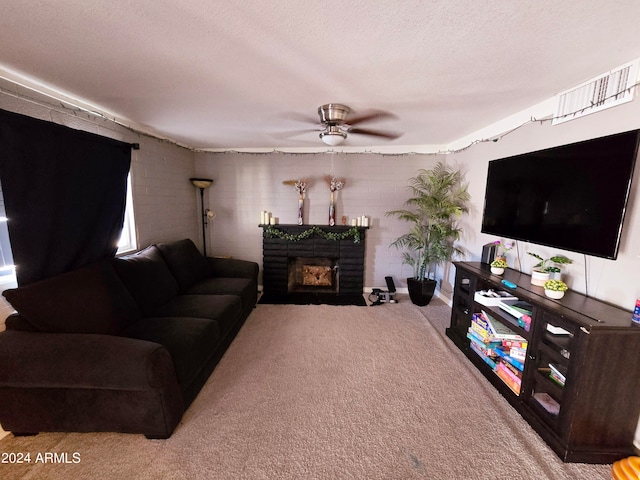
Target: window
7	269
128	240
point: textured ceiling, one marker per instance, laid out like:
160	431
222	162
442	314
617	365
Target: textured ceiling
231	74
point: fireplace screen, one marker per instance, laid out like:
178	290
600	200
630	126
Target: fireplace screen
317	275
313	274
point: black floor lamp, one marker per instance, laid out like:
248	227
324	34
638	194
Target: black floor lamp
203	183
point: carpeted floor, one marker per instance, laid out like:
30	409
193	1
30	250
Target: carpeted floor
326	392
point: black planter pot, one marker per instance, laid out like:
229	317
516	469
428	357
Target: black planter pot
421	291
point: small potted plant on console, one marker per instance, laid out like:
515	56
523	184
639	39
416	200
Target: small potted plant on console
555	289
498	266
547	268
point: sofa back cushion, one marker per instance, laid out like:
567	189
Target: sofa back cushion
147	277
185	261
91	299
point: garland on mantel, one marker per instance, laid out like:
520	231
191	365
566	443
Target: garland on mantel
353	232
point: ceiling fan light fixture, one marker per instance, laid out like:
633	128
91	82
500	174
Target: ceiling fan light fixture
333	137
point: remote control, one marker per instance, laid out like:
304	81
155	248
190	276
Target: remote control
509	284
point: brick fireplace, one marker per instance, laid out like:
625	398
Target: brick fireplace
315	263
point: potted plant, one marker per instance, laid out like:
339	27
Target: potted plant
438	199
502	249
498	266
546	268
555	289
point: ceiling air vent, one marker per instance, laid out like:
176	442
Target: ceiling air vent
608	90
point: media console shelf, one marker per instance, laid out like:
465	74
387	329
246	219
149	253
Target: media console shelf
579	384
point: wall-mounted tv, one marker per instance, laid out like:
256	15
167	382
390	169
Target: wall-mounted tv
571	197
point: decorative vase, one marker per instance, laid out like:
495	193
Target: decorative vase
300	209
538	278
332	212
497	270
553	294
421	291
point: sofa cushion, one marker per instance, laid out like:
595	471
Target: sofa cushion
246	288
190	341
185	261
225	309
91	299
17	322
147	277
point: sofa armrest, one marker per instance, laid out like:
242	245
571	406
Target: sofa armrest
74	360
232	267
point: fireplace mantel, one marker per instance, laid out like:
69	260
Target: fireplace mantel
278	253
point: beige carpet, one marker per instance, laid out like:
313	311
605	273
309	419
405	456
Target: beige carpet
326	392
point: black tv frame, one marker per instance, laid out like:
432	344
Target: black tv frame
527	181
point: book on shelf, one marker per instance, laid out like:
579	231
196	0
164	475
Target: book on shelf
516	363
480	321
487	359
558	373
518	353
516	371
515	344
483	335
484	348
483	342
513	385
504	367
498	330
480	331
556	379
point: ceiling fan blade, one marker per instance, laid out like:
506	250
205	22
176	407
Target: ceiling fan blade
294	133
299	117
375	133
370	116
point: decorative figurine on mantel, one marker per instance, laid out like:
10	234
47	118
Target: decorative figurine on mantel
334	185
301	188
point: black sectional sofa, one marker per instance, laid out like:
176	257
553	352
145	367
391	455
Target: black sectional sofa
122	345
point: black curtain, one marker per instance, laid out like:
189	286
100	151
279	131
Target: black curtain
64	193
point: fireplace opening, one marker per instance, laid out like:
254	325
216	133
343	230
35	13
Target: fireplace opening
316	274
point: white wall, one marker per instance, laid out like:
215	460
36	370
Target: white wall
245	184
614	281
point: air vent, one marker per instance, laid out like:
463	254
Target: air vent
608	90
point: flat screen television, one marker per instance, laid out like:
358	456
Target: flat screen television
571	197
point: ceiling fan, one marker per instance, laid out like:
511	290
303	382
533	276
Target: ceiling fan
335	124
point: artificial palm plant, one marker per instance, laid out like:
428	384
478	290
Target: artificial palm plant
438	199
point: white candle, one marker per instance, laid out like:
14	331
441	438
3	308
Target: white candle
272	221
262	212
354	222
365	222
359	221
